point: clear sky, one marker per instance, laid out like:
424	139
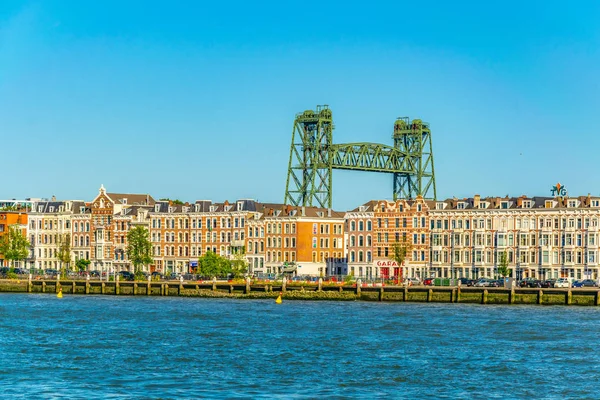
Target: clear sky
196	100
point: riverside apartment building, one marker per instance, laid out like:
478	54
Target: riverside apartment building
543	237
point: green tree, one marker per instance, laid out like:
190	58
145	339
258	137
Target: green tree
211	264
503	264
139	247
239	264
64	251
399	252
349	279
82	264
14	246
176	201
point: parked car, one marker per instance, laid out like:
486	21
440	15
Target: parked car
412	281
429	282
50	273
466	281
548	283
95	274
530	283
484	282
173	276
157	275
126	275
562	283
585	283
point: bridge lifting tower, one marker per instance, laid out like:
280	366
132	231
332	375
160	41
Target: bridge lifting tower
313	157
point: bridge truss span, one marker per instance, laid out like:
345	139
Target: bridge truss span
313	157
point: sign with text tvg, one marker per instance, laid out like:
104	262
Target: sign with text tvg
558	190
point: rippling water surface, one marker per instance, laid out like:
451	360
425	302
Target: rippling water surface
123	347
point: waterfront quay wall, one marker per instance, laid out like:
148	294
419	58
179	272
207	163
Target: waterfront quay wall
589	297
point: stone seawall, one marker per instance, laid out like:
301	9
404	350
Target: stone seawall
589	297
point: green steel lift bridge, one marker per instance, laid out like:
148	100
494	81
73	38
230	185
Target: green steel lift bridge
313	157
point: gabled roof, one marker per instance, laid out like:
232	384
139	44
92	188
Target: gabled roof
132	199
47	207
368	206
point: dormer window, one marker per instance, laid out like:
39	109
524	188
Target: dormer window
124	201
40	208
197	207
483	204
213	208
52	209
595	203
292	213
171	209
82	210
572	203
157	208
61	208
320	214
504	205
527	204
548	204
240	205
439	206
185	209
362	208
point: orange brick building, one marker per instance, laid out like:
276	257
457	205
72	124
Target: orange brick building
10	218
399	221
309	239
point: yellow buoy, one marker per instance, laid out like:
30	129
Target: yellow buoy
278	301
59	294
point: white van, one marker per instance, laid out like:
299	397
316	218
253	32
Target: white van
562	283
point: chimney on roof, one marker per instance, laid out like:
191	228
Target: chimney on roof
588	201
329	212
476	200
288	208
303	211
226	203
520	202
53	198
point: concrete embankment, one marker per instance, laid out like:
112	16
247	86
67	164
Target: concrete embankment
589	297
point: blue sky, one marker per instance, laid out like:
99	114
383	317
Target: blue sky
196	100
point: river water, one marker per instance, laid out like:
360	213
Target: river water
139	347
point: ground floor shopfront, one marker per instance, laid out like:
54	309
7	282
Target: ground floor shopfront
387	269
